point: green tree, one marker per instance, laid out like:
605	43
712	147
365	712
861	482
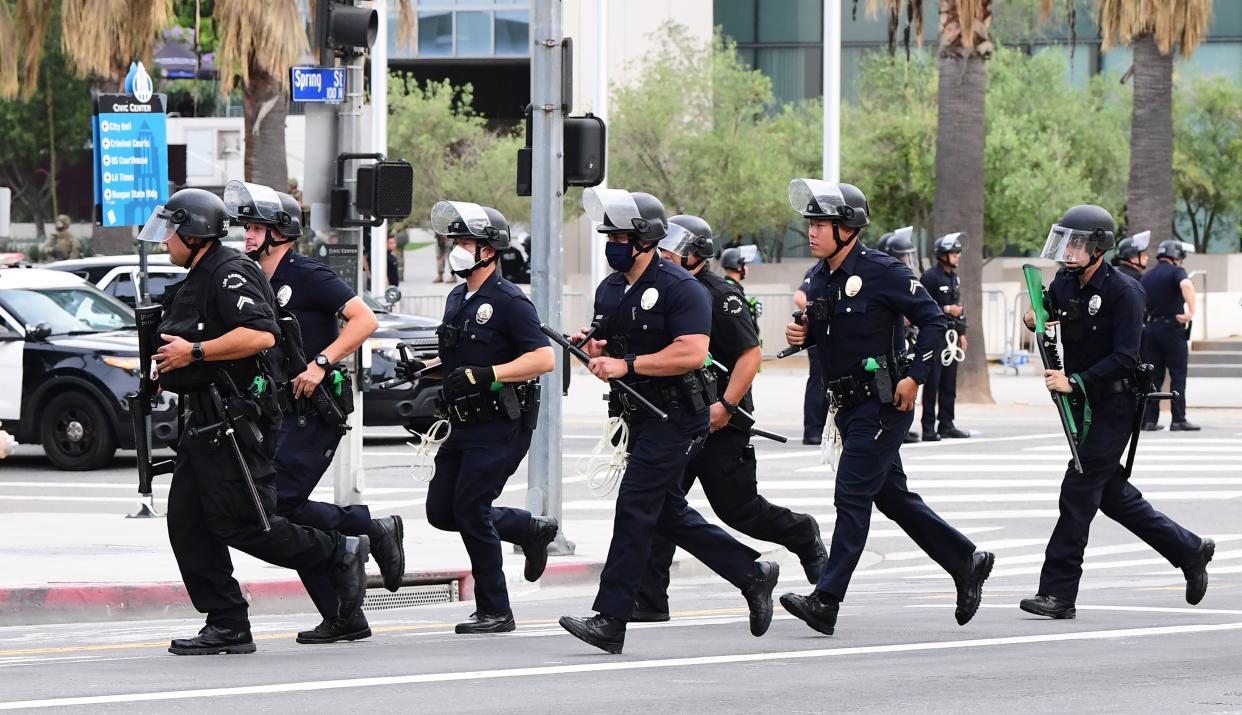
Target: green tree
1207	143
703	132
42	129
455	156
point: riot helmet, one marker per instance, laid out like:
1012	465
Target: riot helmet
688	237
1132	249
1174	250
839	204
1084	233
638	214
255	204
738	257
900	245
463	220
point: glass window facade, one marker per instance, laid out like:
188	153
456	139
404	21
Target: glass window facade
463	28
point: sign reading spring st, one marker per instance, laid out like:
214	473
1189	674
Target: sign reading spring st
131	158
318	84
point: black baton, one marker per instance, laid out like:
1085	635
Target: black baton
793	349
226	426
614	382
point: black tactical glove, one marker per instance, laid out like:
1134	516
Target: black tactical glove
470	378
409	369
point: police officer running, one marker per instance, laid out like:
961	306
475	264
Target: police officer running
1100	312
1131	255
492	352
943	285
218	323
315	296
856	299
733	262
726	465
1170	308
653	320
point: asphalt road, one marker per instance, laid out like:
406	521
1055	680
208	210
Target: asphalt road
1135	647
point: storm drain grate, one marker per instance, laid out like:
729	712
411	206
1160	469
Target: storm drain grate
409	596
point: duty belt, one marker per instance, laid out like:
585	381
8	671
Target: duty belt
512	402
848	392
1112	387
1161	319
695	390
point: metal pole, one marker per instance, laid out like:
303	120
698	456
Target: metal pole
598	269
379	141
547	170
832	90
348	474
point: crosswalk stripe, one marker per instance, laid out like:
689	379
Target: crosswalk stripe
917	483
1027	468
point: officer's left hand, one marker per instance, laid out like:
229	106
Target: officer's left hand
1056	381
305	384
903	396
962	340
606	368
1184	318
720	417
470	378
174	353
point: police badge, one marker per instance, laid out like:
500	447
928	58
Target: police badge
483	314
1093	305
650	296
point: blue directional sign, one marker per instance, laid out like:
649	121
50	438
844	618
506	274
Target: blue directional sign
131	157
318	84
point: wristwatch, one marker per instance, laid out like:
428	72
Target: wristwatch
730	407
196	352
322	361
629	364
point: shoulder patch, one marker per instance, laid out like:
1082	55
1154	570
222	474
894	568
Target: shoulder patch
915	285
733	304
233	281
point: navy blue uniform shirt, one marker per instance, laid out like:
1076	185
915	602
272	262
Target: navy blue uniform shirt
1101	323
665	303
1163	284
869	322
315	295
496	325
733	327
943	287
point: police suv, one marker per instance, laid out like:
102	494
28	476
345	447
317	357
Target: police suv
68	358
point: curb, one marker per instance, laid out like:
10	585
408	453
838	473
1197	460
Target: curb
168	599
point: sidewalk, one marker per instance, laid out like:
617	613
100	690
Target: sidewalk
103	567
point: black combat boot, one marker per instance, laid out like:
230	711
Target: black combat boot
970	585
758	593
1184	426
948	430
1196	572
603	632
486	623
542	532
1049	606
387	543
349	574
213	640
336	629
817	613
648	615
929	436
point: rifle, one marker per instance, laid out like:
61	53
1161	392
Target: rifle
794	349
1146	391
295	364
147	318
613	382
1046	340
741	419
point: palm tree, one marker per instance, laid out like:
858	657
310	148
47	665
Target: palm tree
964	48
1153	28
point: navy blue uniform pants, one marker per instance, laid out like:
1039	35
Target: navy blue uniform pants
651	500
1103	487
472	467
870	473
939	394
815	401
726	468
210	509
1165	347
303	454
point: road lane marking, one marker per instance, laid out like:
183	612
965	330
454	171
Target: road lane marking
1126	609
612	665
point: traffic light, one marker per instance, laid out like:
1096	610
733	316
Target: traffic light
586	147
345	28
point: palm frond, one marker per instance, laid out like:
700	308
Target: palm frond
407	22
8	53
266	36
101	37
1180	23
33	16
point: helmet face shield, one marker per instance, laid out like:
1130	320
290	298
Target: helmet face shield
681	242
1141	240
613	209
815	198
901	246
460	219
1067	245
159	227
252	203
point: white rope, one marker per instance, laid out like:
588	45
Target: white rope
606	463
424	466
831	443
953	351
